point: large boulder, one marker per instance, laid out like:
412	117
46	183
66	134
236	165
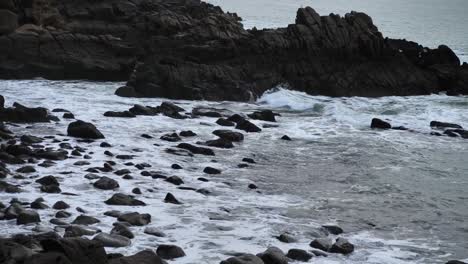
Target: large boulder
8	21
81	129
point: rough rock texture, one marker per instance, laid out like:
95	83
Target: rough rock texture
188	49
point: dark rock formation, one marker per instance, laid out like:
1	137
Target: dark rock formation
188	49
22	114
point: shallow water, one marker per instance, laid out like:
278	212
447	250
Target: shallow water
428	22
400	195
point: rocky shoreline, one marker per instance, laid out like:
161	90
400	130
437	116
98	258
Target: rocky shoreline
188	49
58	238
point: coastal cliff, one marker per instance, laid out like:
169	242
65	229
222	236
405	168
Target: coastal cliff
188	49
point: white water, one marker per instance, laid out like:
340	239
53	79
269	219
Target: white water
303	182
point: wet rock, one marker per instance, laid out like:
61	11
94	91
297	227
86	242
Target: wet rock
154	232
206	111
48	180
378	123
78	231
143	257
76	250
243	259
125	157
455	262
342	246
39	204
105	183
50	189
218	143
287	238
62	214
143	110
27	217
196	150
109	240
26	169
22	114
176	167
273	255
170	198
124	114
170	251
122	172
125	200
210	170
136	191
28	139
68	116
146	136
333	229
323	243
113	213
437	124
225	122
135	218
248	160
105	145
122	230
242	165
456	133
83	129
286	137
51	154
229	135
85	220
252	186
299	254
187	133
60	205
265	115
171	110
247	126
175	180
171	137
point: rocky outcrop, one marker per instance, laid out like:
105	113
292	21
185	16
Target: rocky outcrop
188	49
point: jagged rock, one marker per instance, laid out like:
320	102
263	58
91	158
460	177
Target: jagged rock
170	251
135	218
83	129
123	199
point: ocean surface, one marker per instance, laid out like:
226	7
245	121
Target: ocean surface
401	196
428	22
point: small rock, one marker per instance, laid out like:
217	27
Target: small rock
85	220
170	251
175	180
286	137
323	243
26	169
273	255
243	259
105	183
333	229
154	232
123	199
109	240
83	129
170	198
187	133
299	254
378	123
342	246
438	124
27	217
210	170
135	218
122	230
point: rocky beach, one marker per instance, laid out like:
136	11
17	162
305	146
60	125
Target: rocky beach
195	140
